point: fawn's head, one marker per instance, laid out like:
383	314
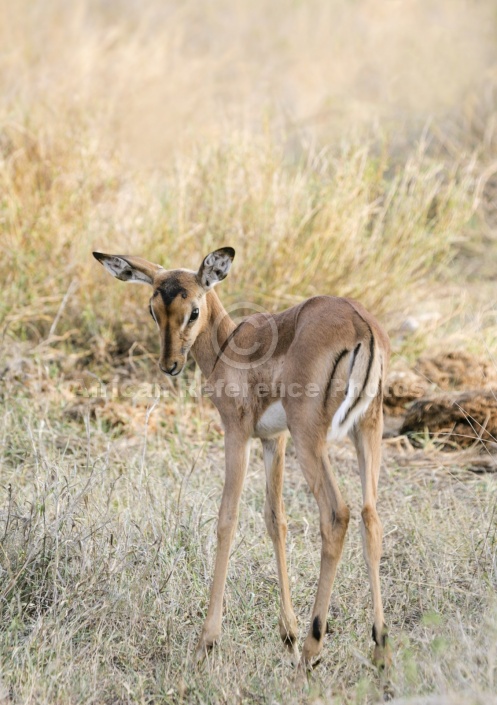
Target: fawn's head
178	303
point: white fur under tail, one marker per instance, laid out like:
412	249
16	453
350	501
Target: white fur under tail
362	387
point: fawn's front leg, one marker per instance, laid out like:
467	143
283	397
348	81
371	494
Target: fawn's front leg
236	449
274	514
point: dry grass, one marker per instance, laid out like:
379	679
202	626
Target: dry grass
108	541
354	208
340	148
348	223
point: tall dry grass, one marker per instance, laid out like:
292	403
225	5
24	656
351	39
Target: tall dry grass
331	223
162	129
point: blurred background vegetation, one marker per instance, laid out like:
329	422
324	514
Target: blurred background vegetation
341	147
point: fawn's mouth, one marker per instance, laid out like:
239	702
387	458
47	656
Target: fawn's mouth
173	371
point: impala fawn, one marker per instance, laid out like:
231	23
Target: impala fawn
314	368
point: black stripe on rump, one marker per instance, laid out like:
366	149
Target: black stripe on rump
354	355
368	372
330	380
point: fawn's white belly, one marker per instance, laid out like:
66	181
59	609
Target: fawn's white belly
272	421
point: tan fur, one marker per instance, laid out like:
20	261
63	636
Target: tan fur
317	348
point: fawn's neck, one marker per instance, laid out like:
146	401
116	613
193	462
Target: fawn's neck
209	342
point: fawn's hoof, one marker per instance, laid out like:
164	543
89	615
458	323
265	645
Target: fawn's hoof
293	650
311	653
204	647
382	654
289	639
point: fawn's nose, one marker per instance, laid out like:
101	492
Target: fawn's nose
170	370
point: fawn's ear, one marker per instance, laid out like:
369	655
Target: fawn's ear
215	267
129	269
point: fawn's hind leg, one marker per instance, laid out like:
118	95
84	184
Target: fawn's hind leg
333	518
366	436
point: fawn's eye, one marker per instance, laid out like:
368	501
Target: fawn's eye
194	315
150	311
